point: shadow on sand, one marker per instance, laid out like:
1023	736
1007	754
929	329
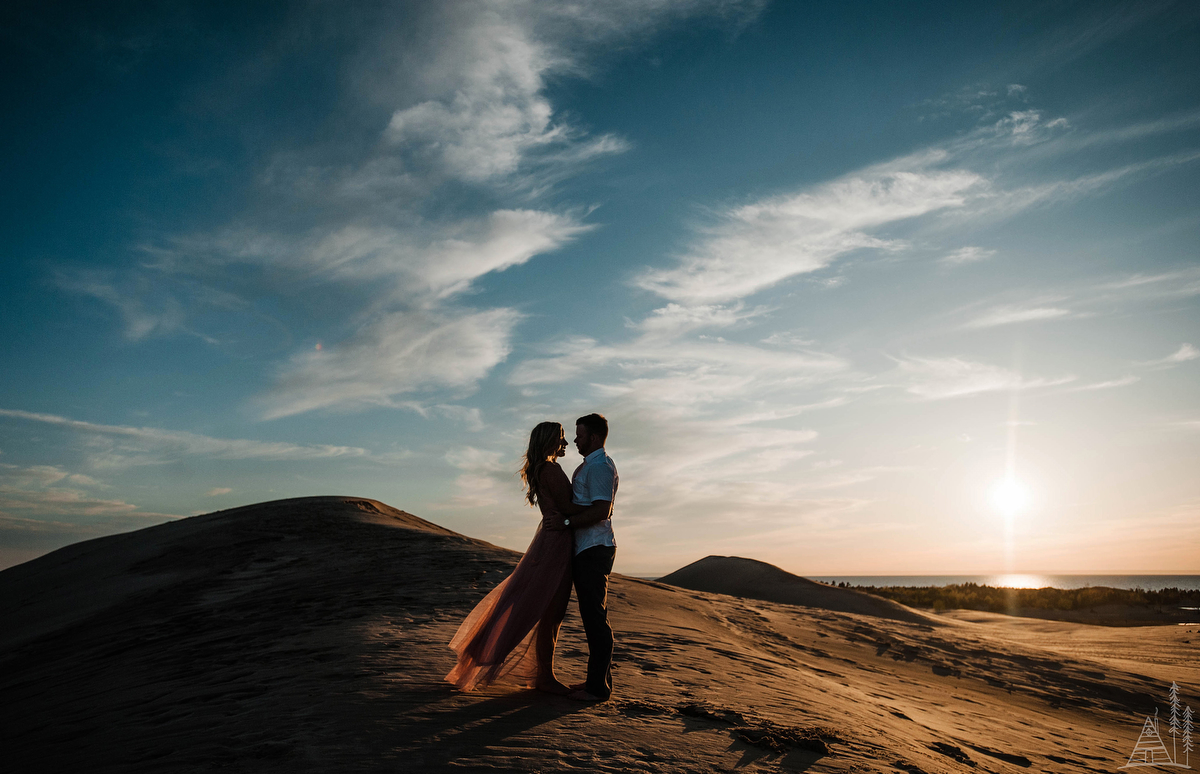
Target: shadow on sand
447	725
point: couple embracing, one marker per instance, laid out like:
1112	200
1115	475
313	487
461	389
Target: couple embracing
511	634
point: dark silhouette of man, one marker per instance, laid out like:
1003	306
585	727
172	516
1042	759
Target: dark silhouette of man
594	485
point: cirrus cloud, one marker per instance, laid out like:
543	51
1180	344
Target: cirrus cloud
754	246
400	353
151	445
952	377
1008	315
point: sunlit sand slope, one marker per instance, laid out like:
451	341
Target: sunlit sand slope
310	635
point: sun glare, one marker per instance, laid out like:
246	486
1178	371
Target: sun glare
1020	581
1010	497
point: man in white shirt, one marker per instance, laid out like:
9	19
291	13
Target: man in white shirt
594	484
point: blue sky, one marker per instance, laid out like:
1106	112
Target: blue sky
834	273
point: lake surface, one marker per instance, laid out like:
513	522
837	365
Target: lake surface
1148	582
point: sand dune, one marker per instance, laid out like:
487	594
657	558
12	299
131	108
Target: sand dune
310	635
752	579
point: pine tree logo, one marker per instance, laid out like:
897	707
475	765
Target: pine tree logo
1151	750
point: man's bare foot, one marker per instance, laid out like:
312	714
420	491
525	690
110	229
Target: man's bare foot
582	695
553	685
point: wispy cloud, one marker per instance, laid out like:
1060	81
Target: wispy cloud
485	117
1185	353
952	377
53	526
1124	381
968	254
104	518
747	248
1008	315
145	309
675	320
399	353
983	102
43	475
422	264
42	507
60	502
1006	203
408	337
1089	298
484	479
753	246
1183	283
710	363
497	115
217	491
1057	45
1128	133
415	342
150	445
470	416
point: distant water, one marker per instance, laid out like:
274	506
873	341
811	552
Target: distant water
1147	582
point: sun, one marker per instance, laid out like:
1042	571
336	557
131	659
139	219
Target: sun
1010	497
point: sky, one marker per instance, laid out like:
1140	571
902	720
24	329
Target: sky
862	289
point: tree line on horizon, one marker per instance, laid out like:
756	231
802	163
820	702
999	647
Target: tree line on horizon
994	599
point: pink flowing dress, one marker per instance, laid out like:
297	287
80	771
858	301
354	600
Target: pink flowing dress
511	633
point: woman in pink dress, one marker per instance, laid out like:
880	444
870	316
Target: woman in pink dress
511	634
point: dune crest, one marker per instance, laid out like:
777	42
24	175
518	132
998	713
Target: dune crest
752	579
67	586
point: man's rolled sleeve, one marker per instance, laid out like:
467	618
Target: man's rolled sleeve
595	480
600	483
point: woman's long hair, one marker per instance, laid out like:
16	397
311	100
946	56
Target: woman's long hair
543	443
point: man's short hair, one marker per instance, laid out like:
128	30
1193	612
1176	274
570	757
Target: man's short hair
596	424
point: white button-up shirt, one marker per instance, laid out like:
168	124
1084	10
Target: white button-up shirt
595	479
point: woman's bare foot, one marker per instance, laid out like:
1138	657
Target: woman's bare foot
552	685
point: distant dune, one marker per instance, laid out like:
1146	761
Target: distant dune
309	635
753	579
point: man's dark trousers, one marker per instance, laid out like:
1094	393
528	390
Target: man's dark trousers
591	568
